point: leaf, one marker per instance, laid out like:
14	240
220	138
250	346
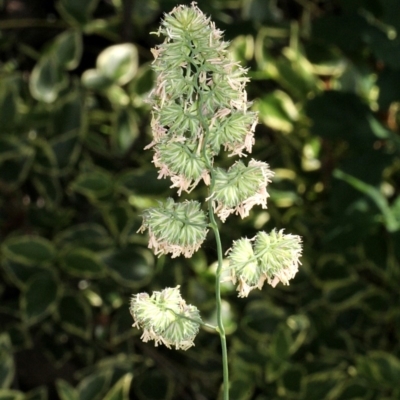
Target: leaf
67	49
82	263
48	187
93	386
281	343
93	79
278	111
65	390
121	327
66	148
391	222
125	131
120	391
47	79
7	367
94	185
379	368
69	116
39	298
131	267
322	385
118	63
141	182
91	236
77	11
28	249
8	394
39	393
14	171
19	273
75	315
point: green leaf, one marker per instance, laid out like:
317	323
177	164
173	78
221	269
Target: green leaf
83	263
131	267
66	148
66	391
125	131
39	298
77	11
93	184
93	386
391	222
39	393
28	249
142	182
278	111
19	273
281	343
7	367
380	369
120	391
48	187
47	79
14	172
121	326
118	63
91	236
93	79
8	394
322	385
75	315
67	49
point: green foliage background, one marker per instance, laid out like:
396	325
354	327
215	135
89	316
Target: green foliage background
74	180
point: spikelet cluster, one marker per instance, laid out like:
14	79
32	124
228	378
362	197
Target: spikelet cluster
165	318
199	99
273	257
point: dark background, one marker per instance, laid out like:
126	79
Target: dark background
74	180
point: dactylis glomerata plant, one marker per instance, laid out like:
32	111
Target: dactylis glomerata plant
199	108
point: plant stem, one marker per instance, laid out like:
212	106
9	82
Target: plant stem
214	227
221	329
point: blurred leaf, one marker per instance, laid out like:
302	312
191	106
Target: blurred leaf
141	182
91	236
322	385
75	315
39	297
19	273
82	263
94	386
47	79
278	111
392	224
118	63
120	391
130	267
93	184
9	394
7	367
39	393
125	130
66	149
379	368
67	48
281	343
77	11
28	249
66	391
93	79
